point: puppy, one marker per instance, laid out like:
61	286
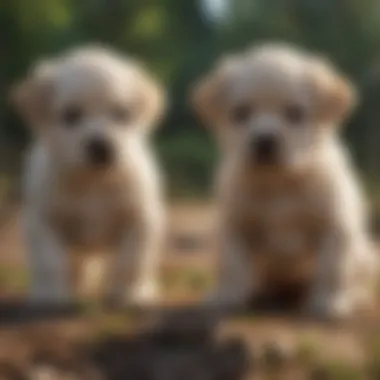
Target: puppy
91	183
291	209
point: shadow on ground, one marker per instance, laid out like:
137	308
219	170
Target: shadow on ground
180	344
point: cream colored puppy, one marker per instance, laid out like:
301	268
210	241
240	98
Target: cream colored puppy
91	184
291	209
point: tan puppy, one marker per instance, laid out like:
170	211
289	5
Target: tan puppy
91	183
291	209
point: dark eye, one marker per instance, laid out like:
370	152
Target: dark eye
295	114
241	114
120	114
72	116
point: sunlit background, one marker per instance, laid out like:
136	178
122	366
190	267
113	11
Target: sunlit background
179	40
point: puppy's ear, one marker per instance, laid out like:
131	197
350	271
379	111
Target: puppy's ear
208	95
32	96
205	98
152	100
335	95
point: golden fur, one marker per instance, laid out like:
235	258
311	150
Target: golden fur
303	216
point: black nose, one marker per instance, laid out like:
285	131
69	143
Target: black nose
264	148
99	152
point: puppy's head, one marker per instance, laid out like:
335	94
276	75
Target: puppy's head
90	107
273	106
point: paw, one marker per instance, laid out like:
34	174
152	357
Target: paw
144	295
339	307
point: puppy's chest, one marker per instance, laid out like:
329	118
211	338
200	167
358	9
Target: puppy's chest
95	219
283	223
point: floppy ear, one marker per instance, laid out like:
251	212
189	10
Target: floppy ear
208	96
152	100
335	95
32	96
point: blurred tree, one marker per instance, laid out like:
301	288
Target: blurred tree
348	32
179	40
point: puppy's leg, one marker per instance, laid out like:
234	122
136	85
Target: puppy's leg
146	287
334	292
48	262
237	278
90	274
367	282
134	272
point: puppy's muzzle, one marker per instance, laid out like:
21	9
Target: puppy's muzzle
264	149
99	153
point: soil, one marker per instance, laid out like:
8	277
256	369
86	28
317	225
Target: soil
92	343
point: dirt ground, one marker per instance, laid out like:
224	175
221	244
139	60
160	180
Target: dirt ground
186	273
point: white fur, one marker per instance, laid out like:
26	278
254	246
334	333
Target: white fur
63	192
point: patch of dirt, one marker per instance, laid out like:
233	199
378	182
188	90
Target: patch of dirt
31	339
170	349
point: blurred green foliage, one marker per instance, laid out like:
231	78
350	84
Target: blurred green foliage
179	40
188	159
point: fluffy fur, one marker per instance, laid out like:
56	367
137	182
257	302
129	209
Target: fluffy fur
91	184
291	212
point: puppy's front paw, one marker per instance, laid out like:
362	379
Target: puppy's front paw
140	297
338	307
145	295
